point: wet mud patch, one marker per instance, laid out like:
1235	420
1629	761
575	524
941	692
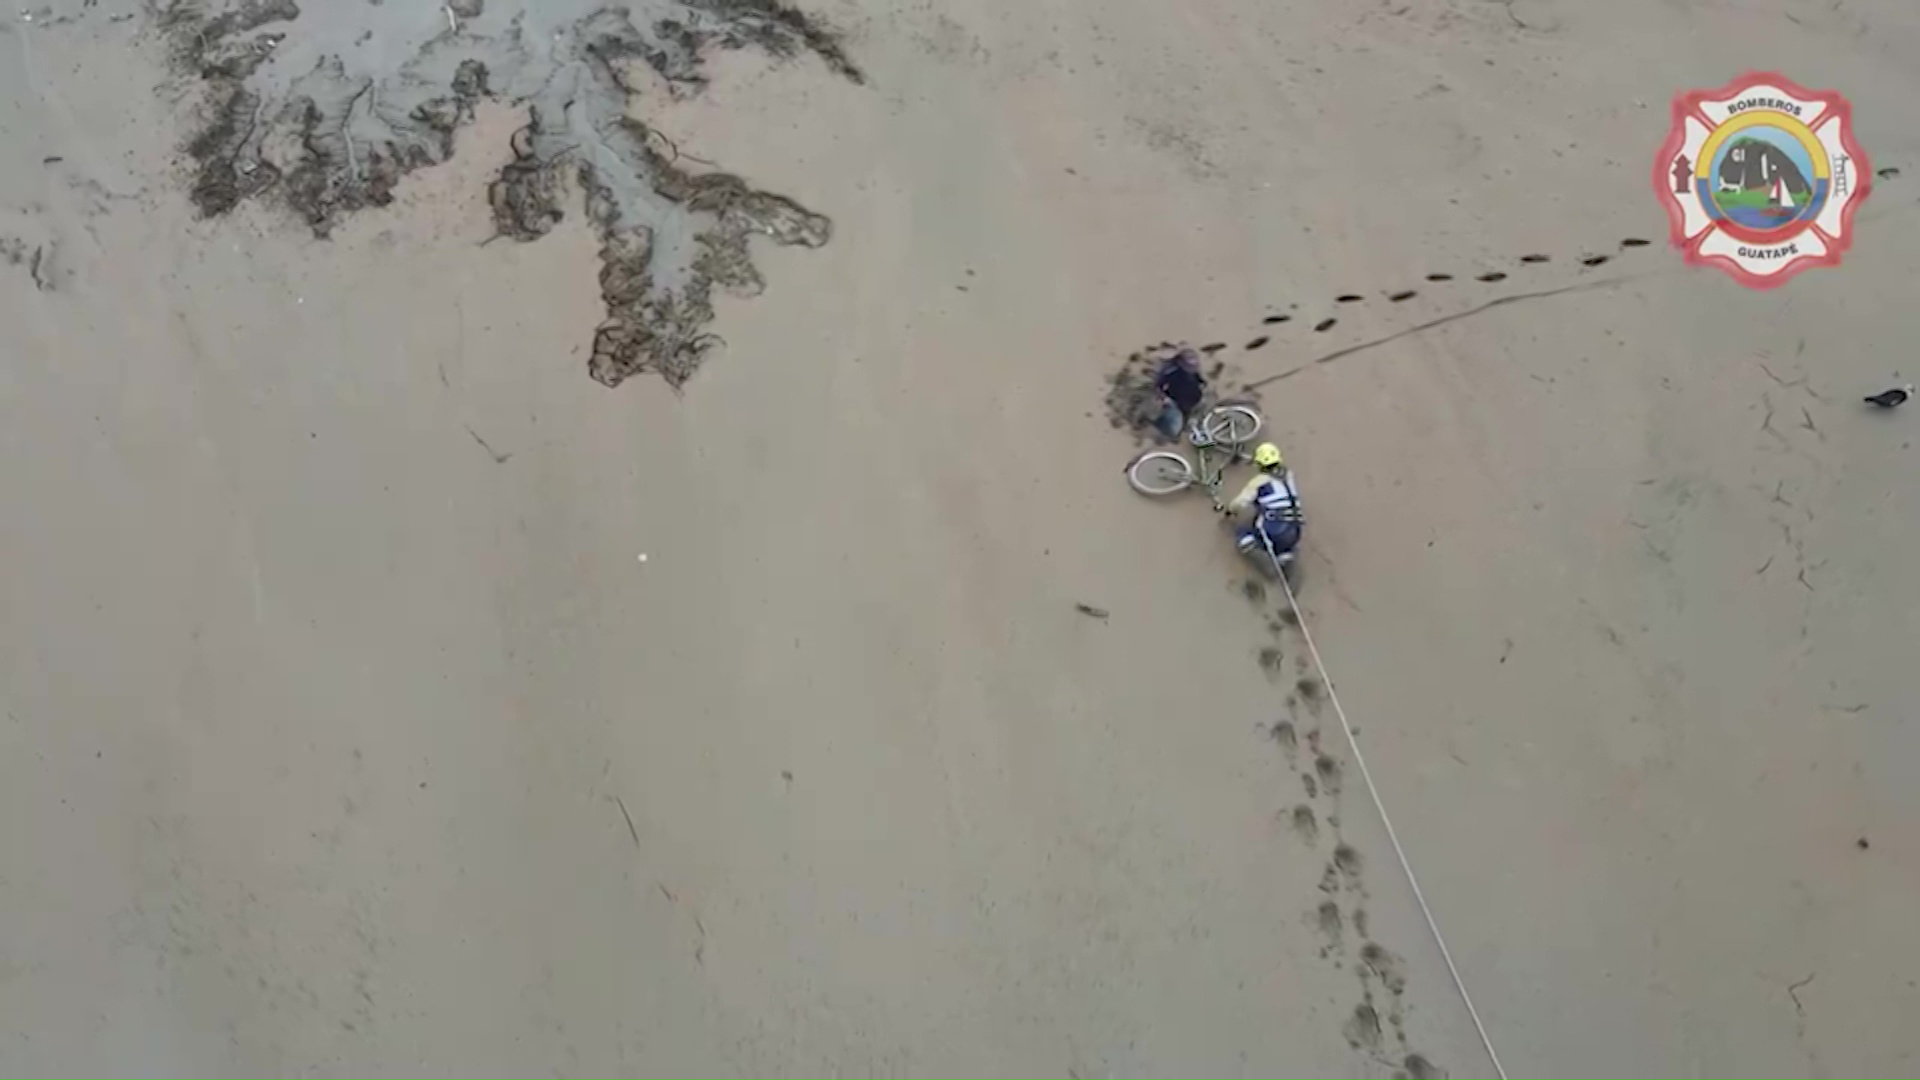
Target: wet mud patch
327	107
1133	402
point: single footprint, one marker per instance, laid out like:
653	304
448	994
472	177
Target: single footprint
1327	915
1349	298
1305	823
1275	320
1417	1067
1534	258
1385	966
1283	733
1492	276
1257	342
1363	1028
1214	347
1439	277
1407	294
1347	862
1634	241
1595	260
1324	325
1328	770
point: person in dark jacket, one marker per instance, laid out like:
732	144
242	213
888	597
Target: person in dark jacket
1181	387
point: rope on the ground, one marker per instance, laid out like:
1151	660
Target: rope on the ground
1360	759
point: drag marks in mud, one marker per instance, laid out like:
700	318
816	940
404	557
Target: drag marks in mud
1374	1021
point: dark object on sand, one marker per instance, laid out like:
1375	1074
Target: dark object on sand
1888	399
1092	612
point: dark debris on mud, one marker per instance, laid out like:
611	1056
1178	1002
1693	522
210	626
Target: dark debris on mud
781	30
649	328
1133	402
332	143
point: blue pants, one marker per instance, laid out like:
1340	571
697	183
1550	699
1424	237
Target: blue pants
1281	536
1170	421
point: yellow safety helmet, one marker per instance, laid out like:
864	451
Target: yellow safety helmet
1267	456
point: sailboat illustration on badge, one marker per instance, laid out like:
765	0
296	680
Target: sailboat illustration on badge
1780	200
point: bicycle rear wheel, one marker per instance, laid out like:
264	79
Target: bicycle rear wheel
1231	425
1159	472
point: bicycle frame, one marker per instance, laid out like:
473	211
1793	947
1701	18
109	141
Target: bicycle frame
1212	460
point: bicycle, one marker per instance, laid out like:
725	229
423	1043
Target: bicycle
1219	437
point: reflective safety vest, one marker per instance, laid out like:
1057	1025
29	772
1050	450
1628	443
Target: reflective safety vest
1277	498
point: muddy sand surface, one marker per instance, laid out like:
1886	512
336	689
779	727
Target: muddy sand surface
618	562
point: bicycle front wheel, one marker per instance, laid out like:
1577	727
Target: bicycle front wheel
1231	425
1160	473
